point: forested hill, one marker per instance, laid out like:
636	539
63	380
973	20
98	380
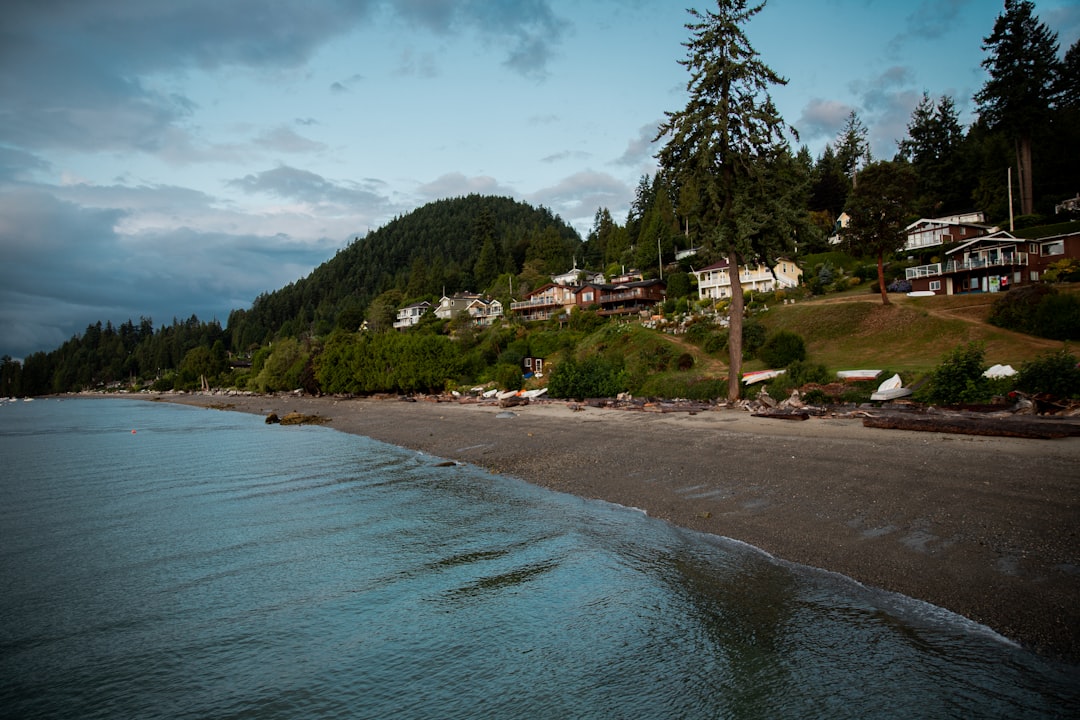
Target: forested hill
459	244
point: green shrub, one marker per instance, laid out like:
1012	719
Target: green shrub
1054	373
684	387
509	377
1058	317
1015	310
802	373
782	348
685	361
591	378
753	337
959	378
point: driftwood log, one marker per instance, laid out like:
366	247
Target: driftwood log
974	425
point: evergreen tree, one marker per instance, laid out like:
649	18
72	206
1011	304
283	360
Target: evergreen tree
718	140
934	147
1069	85
830	185
879	207
853	147
1017	97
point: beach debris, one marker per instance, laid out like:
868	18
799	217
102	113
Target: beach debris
513	401
999	371
972	424
857	375
506	415
299	418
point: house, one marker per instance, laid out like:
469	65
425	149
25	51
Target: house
410	314
484	312
993	263
451	305
714	281
630	297
545	302
574	276
930	232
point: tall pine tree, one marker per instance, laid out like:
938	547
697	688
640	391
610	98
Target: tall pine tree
1017	97
719	141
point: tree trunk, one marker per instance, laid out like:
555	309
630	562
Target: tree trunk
881	278
1023	169
735	325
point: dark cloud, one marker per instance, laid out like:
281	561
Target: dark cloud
77	74
68	265
822	119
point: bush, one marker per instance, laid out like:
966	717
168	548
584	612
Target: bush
1058	317
782	348
802	373
685	361
509	377
592	378
1054	373
1015	310
959	378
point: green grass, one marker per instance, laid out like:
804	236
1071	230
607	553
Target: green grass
911	335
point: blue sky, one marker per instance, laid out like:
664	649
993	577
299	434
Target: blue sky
167	158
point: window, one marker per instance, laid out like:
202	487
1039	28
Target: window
1054	248
974	284
935	284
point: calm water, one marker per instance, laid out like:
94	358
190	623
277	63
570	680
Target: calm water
211	566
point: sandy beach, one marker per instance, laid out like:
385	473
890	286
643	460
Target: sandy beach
984	526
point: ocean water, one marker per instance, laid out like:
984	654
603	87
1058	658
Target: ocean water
161	561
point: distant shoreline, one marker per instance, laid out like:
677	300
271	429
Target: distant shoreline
986	527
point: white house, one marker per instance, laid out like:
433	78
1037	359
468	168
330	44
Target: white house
714	281
928	232
484	312
410	315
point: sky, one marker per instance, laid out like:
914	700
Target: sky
162	159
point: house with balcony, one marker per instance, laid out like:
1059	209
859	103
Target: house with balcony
484	312
410	315
545	302
629	298
993	263
714	281
931	232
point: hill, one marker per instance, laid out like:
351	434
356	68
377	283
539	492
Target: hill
447	246
911	335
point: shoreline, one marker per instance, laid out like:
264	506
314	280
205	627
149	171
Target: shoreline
986	527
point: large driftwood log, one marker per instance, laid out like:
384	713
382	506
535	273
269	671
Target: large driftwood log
997	427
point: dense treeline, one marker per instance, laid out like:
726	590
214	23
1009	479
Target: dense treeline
304	335
447	246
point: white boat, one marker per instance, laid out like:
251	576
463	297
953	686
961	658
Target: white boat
891	389
856	375
758	375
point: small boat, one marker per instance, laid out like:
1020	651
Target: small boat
857	375
758	375
891	389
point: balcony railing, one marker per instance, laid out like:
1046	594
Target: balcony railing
971	263
535	303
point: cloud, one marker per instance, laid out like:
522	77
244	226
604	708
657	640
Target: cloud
283	139
305	186
69	263
641	149
576	198
457	184
528	30
822	118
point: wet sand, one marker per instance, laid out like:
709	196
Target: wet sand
986	527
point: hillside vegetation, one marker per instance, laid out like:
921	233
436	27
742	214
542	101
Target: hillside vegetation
911	335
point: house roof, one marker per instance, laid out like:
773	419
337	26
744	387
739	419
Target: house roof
1001	237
